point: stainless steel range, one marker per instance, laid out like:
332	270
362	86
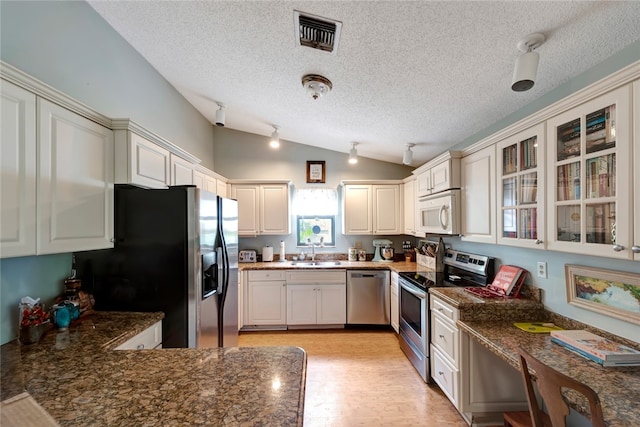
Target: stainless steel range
461	269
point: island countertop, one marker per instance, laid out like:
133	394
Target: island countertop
79	379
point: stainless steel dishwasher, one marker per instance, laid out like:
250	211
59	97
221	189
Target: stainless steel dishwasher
368	297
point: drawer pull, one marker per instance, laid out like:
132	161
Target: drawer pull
440	373
139	346
441	336
440	309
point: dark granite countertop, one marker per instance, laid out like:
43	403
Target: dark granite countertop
78	378
398	266
490	322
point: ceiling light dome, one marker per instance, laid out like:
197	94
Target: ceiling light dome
316	85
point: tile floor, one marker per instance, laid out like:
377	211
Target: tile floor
361	378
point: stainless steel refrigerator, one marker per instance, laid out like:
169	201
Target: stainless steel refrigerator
176	251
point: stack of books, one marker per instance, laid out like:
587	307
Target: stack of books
597	348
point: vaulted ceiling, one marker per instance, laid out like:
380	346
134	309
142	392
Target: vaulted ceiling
430	73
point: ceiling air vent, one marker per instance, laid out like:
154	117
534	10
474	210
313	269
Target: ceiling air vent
317	32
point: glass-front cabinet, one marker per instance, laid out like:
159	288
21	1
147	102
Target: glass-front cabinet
588	165
521	189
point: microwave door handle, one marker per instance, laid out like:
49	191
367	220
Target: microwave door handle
444	223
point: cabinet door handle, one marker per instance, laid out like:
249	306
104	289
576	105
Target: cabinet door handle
440	373
441	336
139	346
618	248
635	249
539	242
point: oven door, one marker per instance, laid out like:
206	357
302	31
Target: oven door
414	326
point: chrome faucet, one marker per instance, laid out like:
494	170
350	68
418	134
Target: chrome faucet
313	247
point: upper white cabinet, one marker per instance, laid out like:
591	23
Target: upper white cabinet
372	208
636	171
75	185
478	175
589	163
181	171
140	161
18	179
442	173
520	189
409	202
262	208
147	160
221	187
209	181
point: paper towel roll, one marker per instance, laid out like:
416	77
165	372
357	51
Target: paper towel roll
267	254
283	255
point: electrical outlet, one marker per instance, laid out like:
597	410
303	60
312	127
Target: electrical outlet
542	269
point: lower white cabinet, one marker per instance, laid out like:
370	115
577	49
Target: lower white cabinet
316	297
395	302
150	338
266	298
479	384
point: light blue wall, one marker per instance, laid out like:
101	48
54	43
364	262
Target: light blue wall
70	47
38	277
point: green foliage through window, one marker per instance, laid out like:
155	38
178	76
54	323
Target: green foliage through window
314	228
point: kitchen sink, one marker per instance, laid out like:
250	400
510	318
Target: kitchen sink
315	263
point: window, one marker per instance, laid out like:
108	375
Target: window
316	229
315	210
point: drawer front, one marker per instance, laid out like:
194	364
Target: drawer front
445	375
266	275
443	308
306	276
444	335
148	339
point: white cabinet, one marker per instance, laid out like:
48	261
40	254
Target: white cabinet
18	166
150	338
265	298
520	189
636	171
316	298
589	163
181	171
477	382
442	173
75	182
395	302
477	191
221	188
372	209
262	208
409	203
209	181
140	161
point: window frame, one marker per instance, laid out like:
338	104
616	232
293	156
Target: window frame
301	241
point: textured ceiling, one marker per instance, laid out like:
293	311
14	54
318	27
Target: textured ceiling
424	72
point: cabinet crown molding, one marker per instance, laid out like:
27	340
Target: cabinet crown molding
130	125
447	155
371	182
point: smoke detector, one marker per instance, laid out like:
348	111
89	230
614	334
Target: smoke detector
317	32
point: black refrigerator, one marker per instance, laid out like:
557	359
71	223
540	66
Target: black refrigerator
176	251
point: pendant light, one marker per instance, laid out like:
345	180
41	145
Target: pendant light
275	138
407	157
220	114
353	154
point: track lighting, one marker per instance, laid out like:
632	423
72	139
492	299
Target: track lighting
275	138
353	154
407	157
524	73
220	114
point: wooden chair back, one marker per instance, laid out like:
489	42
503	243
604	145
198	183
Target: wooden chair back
550	384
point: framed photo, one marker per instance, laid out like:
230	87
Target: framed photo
608	292
315	171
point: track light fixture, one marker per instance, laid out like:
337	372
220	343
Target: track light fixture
524	73
220	114
407	156
275	138
353	154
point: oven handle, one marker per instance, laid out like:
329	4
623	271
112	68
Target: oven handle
414	292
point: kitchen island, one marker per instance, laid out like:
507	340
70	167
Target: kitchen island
79	379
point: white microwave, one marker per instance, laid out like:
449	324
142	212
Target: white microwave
439	213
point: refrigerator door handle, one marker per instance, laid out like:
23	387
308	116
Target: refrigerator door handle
220	275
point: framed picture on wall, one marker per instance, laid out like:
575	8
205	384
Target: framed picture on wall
608	292
316	171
